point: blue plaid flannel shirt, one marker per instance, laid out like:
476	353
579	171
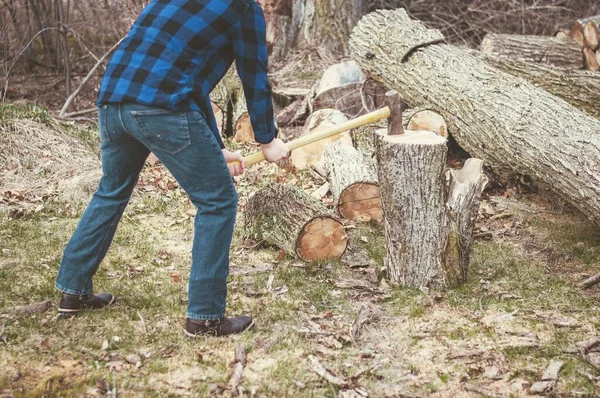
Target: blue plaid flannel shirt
178	50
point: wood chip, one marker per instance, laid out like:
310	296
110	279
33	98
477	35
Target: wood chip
319	369
551	372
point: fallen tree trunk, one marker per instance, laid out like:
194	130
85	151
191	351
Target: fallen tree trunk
353	183
289	218
495	116
577	87
564	53
311	154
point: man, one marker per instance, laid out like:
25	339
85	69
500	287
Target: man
155	98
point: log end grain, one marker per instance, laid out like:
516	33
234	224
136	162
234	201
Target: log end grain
591	61
590	32
578	34
428	120
243	129
361	202
322	238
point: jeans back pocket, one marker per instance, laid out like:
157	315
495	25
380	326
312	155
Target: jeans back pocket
164	130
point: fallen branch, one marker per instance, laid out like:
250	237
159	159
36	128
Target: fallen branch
241	355
586	349
63	112
589	282
31	308
324	373
365	314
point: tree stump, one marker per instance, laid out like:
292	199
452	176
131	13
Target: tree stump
564	53
313	153
411	171
353	183
289	218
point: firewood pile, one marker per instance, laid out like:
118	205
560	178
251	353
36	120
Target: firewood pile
586	33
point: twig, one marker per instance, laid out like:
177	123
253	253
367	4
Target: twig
324	373
63	111
589	282
370	369
364	315
143	323
241	355
587	348
480	391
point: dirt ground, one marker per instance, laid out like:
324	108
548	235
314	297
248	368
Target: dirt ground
321	330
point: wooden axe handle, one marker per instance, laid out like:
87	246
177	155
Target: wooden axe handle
371	117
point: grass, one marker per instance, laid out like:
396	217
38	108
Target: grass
304	314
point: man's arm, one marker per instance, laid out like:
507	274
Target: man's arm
250	49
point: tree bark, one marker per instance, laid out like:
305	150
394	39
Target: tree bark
313	153
289	218
224	96
579	88
353	183
462	207
502	119
541	49
302	23
413	197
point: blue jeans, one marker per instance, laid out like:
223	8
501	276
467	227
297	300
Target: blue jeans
186	146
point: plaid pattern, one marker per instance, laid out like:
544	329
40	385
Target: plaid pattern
178	50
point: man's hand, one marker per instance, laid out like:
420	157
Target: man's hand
235	169
275	150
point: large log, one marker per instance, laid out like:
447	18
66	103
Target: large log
577	87
313	153
585	32
564	53
500	118
289	218
353	183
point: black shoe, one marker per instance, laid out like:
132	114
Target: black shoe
220	327
71	304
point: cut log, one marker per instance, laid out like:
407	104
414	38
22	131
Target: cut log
313	153
353	183
464	197
344	87
219	116
500	118
564	53
585	32
591	61
428	120
242	131
289	218
562	34
284	96
413	197
579	88
224	96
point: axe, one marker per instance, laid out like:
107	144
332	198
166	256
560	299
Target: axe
392	111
